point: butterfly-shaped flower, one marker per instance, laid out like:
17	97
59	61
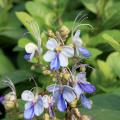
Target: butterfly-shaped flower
58	55
62	94
83	86
31	50
49	104
34	105
78	45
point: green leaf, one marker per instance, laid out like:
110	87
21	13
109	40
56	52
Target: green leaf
22	42
111	14
113	61
105	69
105	107
25	20
41	11
112	42
17	76
98	39
5	65
94	53
90	5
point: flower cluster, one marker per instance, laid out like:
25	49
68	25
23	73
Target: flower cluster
71	85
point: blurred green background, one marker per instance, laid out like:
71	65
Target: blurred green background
103	41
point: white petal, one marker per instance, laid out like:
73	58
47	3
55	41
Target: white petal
68	51
32	55
81	77
77	90
30	47
49	56
27	96
38	107
69	94
51	44
77	34
45	101
77	40
63	60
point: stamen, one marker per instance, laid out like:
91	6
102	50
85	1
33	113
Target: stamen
9	83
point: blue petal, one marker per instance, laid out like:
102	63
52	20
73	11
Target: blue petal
84	52
27	56
29	111
86	102
55	64
2	98
51	112
38	107
62	104
87	87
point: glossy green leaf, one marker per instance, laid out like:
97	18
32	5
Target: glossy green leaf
112	42
105	107
25	19
22	42
113	61
105	69
98	39
5	64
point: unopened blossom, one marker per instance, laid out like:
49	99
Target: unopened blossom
58	55
34	105
62	94
78	45
10	99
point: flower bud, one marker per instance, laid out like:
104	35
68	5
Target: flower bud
33	67
66	76
10	101
64	31
46	116
46	72
51	34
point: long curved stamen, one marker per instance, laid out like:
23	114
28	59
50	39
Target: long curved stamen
9	83
36	85
82	18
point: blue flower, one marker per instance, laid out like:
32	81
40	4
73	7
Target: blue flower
85	102
34	105
57	55
82	85
30	49
78	44
62	94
